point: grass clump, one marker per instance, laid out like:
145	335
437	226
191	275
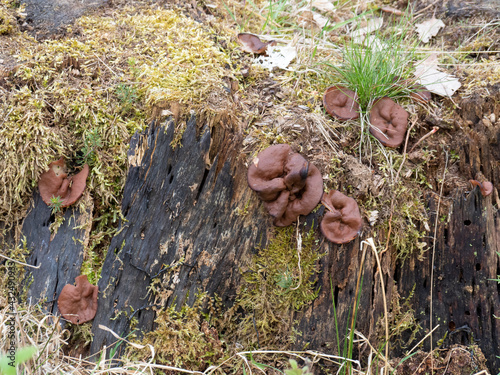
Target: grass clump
281	279
378	65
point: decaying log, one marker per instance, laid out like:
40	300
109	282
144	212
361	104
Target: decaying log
182	227
180	206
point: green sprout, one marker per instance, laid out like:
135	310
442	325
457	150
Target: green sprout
91	143
55	204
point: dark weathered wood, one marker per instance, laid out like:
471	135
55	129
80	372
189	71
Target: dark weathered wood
49	17
177	207
180	204
60	257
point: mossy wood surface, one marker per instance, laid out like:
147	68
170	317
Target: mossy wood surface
181	210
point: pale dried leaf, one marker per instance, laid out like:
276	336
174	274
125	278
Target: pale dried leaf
370	41
320	20
373	25
278	57
435	81
308	19
429	28
323	5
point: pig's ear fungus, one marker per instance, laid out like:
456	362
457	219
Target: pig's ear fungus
388	122
485	187
287	183
252	44
56	183
342	221
340	102
78	304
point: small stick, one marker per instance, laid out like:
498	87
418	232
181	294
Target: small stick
434	253
434	129
18	262
392	10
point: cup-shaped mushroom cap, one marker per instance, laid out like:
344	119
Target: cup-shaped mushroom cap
55	183
388	122
340	102
342	221
420	94
265	174
305	200
78	184
287	183
485	187
296	173
252	44
78	304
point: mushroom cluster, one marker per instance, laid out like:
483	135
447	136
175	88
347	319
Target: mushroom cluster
78	304
388	119
287	183
56	183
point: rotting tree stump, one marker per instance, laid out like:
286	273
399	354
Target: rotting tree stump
180	205
180	209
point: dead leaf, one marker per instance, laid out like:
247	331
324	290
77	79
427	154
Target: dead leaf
308	19
429	28
320	20
323	5
373	25
435	81
277	57
252	44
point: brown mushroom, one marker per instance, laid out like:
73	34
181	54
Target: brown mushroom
78	304
342	221
340	102
388	122
287	183
252	44
420	94
485	187
56	183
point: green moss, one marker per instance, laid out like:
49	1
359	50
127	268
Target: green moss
84	96
274	287
182	338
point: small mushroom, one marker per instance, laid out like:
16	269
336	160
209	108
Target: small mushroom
78	304
56	183
342	221
420	94
388	122
340	102
252	44
485	187
287	183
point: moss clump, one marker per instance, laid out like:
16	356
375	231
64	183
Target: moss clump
182	338
280	279
84	96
